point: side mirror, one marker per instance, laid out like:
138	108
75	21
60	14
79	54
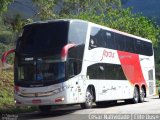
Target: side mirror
5	65
64	51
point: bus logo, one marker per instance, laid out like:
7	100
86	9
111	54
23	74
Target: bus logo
107	54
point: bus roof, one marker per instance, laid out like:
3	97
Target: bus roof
93	24
120	32
57	20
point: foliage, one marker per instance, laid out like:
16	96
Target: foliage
6	37
4	48
18	22
75	7
6	89
3	8
45	8
4	5
124	20
157	60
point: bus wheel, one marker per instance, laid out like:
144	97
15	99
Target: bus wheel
45	108
89	100
142	95
135	96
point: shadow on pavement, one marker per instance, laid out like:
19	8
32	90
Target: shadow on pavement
155	98
121	103
51	114
67	111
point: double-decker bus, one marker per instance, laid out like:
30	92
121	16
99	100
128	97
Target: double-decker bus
64	62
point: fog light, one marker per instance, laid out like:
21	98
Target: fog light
17	102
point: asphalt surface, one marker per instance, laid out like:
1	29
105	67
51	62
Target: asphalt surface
150	109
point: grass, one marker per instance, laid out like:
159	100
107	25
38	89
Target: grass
6	88
17	110
157	85
7	104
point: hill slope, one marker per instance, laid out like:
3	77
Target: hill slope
148	8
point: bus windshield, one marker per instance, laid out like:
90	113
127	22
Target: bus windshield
43	72
43	38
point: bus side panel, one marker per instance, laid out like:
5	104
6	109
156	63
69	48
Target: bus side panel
131	66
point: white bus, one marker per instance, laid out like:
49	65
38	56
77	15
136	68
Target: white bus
64	62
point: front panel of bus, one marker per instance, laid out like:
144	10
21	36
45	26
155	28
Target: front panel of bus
41	72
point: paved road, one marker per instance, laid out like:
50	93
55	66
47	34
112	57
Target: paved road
150	106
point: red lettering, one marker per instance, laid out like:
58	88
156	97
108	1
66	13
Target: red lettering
107	54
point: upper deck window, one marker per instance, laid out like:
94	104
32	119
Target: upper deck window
77	32
43	38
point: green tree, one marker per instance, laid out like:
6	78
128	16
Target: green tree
4	5
79	6
45	8
3	8
18	22
5	34
157	61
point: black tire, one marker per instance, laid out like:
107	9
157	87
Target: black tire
142	95
135	96
88	100
45	108
159	95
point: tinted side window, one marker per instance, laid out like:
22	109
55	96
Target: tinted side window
147	48
76	52
119	42
93	38
77	32
138	46
101	38
92	71
108	39
150	74
129	45
74	60
97	38
73	67
106	71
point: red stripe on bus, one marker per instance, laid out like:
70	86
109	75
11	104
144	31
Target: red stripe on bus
131	66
